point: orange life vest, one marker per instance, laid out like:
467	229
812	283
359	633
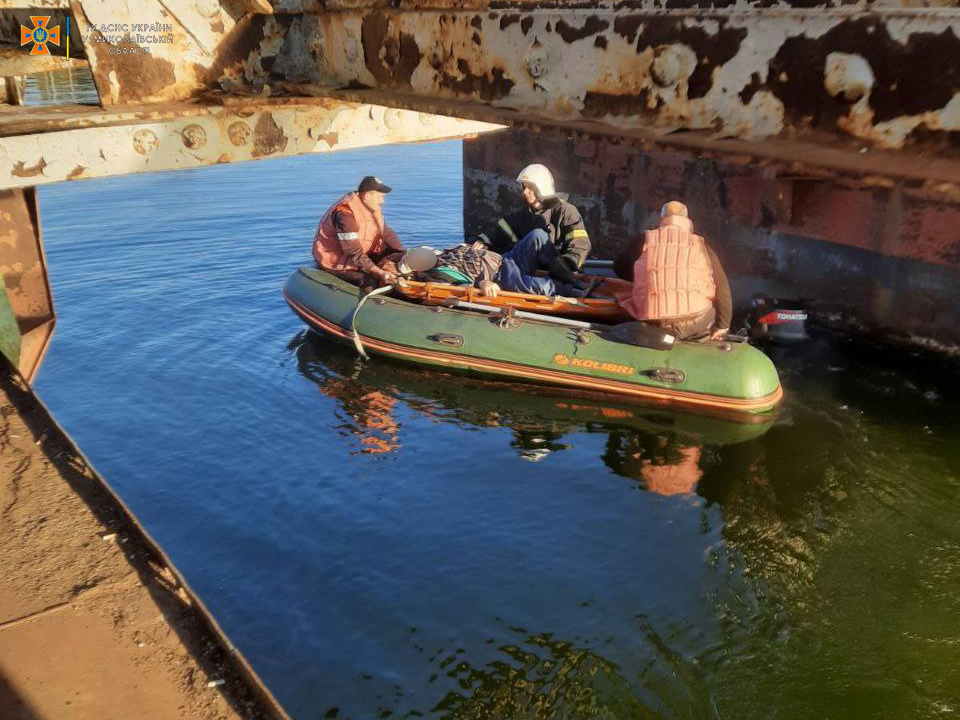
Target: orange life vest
327	248
673	277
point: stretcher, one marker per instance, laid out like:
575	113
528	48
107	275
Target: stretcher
600	306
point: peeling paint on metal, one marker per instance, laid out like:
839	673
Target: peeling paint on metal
268	137
20	170
239	133
194	136
97	143
145	141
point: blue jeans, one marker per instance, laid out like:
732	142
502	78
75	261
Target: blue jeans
534	252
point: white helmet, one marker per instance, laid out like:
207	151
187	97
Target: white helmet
540	177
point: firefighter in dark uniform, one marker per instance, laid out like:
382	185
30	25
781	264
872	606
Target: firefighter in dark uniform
547	234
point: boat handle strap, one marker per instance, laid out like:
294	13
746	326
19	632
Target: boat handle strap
662	374
447	339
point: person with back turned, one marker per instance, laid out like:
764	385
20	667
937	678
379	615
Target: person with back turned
546	234
353	240
678	282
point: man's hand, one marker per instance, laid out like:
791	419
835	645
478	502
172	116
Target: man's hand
719	333
488	288
383	277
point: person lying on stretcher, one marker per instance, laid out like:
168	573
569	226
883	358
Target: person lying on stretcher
475	264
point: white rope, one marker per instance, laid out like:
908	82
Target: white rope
353	318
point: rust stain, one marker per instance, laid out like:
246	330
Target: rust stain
140	74
245	37
488	86
910	79
330	138
76	172
509	19
599	104
750	89
268	137
400	56
713	50
627	26
592	26
19	170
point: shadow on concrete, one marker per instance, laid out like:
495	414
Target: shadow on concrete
195	628
12	705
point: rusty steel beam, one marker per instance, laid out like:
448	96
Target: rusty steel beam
873	72
13	63
24	271
44	145
34	4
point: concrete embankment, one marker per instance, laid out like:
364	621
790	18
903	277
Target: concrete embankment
94	621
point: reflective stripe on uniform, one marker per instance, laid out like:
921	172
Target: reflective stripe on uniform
576	233
505	226
348	236
484	238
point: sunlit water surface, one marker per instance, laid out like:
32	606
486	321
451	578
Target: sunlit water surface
387	542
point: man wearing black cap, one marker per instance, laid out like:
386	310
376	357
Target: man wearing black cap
352	237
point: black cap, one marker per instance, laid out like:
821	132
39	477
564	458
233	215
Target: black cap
372	183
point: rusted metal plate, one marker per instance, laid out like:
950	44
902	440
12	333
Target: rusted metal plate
745	71
151	51
34	4
173	137
24	272
872	75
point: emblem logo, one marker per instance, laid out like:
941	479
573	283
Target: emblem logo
40	35
588	364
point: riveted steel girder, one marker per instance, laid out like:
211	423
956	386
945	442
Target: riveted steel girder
872	72
43	145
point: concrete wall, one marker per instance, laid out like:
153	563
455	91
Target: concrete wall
873	259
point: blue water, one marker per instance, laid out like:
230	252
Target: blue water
381	541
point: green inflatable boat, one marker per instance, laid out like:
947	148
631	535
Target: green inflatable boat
723	377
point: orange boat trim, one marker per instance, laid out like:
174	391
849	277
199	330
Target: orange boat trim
505	368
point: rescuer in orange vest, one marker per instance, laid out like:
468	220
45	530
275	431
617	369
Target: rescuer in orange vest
353	239
678	282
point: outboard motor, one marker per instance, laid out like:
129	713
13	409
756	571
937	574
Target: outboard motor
777	320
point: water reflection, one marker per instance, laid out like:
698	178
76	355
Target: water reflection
541	678
61	87
660	449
